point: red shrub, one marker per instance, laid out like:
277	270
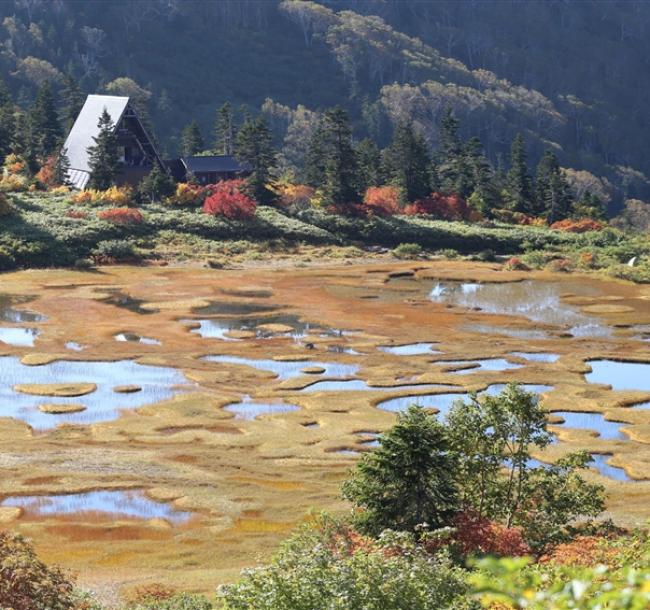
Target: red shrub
227	199
76	214
577	226
446	207
124	216
476	534
515	264
382	200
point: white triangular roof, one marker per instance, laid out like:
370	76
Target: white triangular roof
85	129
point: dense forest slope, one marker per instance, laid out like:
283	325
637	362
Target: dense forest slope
569	75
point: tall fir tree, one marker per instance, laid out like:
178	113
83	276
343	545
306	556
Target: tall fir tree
407	163
369	164
191	140
483	194
519	186
255	148
156	185
44	121
62	167
6	121
224	131
340	185
314	171
103	155
452	174
552	196
73	99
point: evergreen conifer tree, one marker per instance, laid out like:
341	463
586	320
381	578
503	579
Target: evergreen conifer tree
62	167
224	131
103	155
408	481
6	121
552	196
519	190
156	185
254	147
407	163
314	172
44	122
191	140
369	164
340	186
479	178
73	99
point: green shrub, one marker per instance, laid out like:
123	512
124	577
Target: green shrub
406	251
328	566
117	249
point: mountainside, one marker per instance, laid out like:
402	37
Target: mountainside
570	76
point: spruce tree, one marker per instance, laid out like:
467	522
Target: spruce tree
519	190
6	121
407	163
369	164
191	140
314	171
254	147
45	122
224	131
73	100
103	156
552	196
479	178
156	185
408	481
451	171
340	186
62	167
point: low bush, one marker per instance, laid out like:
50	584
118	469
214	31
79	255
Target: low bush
26	583
382	200
439	205
115	196
14	183
76	214
295	196
560	265
114	250
187	195
406	251
227	199
123	216
582	225
514	263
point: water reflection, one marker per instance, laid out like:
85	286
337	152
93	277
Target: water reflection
134	338
8	313
620	375
157	383
131	504
20	337
409	349
487	364
289	369
251	409
536	300
607	430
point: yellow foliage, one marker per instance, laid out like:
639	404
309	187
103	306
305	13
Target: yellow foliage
294	194
60	190
116	196
187	195
12	183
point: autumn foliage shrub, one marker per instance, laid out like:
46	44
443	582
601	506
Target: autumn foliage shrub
26	583
514	263
118	196
296	196
583	225
187	195
518	218
123	216
439	205
227	199
382	200
475	534
46	175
